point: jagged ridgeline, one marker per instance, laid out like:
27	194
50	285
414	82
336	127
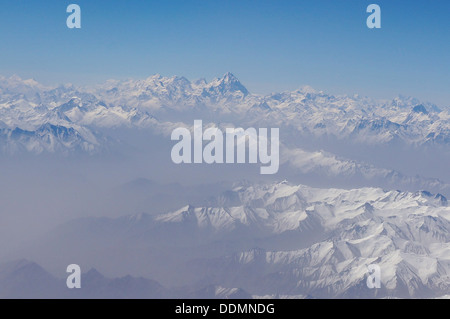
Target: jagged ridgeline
36	118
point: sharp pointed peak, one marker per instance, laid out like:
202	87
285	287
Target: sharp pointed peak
229	77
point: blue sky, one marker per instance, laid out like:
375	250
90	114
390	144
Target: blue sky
269	45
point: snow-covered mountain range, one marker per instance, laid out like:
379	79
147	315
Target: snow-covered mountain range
380	171
27	106
67	119
275	239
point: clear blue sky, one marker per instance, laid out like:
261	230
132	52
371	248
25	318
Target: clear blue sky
269	45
